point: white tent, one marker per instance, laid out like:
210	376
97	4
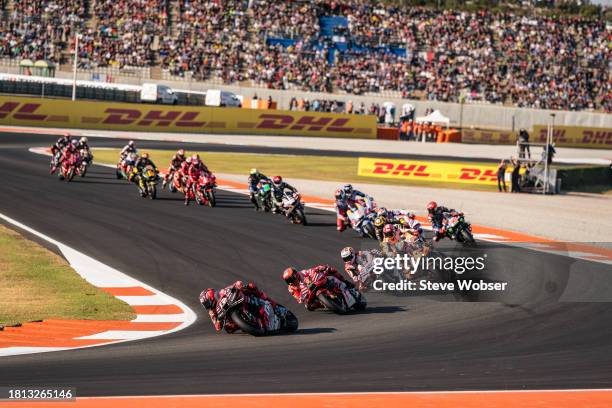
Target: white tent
434	117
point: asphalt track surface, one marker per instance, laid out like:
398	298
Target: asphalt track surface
529	340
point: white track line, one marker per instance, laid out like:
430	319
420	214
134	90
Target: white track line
104	276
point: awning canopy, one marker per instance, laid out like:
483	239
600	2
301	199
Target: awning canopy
434	117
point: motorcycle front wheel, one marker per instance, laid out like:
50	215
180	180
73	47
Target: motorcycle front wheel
243	322
212	200
299	217
290	322
335	305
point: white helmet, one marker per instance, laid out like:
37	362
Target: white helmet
347	254
83	140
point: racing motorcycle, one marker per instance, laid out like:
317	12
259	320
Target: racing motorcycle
176	182
125	167
456	227
361	220
234	308
204	191
330	295
86	159
68	168
147	183
264	195
292	207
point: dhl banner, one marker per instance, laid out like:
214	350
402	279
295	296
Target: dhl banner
428	171
574	136
17	111
488	137
563	136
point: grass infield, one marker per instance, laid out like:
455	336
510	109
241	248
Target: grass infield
328	168
36	284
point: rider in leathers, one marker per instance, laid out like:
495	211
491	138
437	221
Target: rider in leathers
57	149
127	149
195	170
175	164
253	296
357	261
345	198
254	178
278	188
300	283
438	215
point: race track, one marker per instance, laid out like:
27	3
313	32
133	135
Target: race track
532	340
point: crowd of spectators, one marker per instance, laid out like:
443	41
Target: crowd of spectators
39	29
210	40
444	55
124	33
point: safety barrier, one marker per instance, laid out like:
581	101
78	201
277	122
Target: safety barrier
563	136
469	173
575	136
17	111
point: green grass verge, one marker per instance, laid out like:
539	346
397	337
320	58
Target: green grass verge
328	168
37	284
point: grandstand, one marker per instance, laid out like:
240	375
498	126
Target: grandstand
350	46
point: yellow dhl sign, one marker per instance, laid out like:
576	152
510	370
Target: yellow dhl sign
575	136
160	118
428	171
563	136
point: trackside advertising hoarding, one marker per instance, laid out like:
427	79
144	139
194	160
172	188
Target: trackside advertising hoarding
428	171
563	136
575	136
17	111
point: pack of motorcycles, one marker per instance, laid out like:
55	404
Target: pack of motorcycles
338	299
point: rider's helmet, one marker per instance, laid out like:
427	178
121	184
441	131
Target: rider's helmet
83	140
277	180
388	231
180	153
74	142
195	159
291	276
254	171
348	189
432	206
145	156
239	285
207	298
379	222
339	194
382	212
188	160
347	254
131	143
411	216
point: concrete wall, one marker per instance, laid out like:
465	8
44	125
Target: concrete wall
485	116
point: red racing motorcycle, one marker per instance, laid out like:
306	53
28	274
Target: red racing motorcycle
204	190
68	168
233	308
329	293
